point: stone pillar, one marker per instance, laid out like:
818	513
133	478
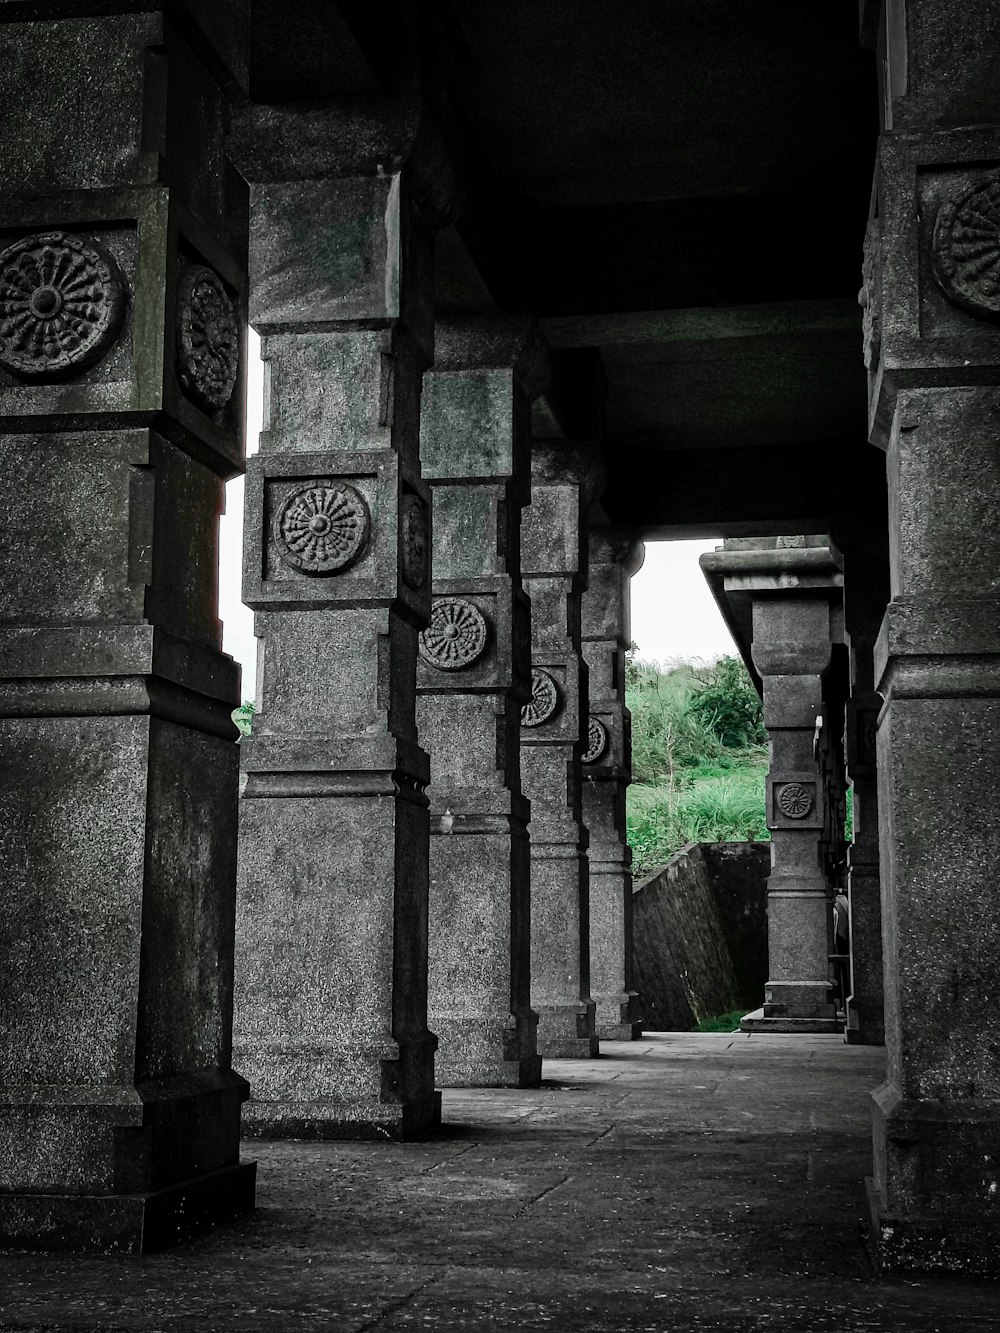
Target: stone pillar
792	637
554	723
121	388
865	595
331	1020
784	596
935	408
473	676
607	767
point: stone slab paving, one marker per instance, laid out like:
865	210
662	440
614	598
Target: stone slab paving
680	1182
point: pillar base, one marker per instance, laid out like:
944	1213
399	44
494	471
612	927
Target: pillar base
760	1021
126	1223
318	1120
616	1016
930	1244
619	1032
523	1073
480	1052
566	1032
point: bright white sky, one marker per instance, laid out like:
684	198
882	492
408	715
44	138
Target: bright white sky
673	614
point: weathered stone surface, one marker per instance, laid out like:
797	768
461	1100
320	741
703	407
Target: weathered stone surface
737	875
331	1019
664	1153
699	926
606	768
473	681
866	590
119	1124
936	1139
553	733
784	597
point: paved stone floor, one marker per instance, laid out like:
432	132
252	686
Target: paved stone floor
676	1183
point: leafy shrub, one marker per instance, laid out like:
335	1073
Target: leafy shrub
727	703
689	784
243	717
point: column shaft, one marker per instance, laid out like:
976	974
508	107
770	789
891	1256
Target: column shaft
473	679
331	1019
121	385
935	409
613	558
553	725
865	595
794	585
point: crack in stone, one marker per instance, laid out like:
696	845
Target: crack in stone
603	1134
538	1198
398	1304
446	1161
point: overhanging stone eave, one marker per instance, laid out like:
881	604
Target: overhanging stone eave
735	577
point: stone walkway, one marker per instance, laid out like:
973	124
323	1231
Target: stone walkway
677	1183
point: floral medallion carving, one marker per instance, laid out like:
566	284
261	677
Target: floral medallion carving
544	699
413	541
322	527
208	339
966	249
794	800
597	741
62	303
456	636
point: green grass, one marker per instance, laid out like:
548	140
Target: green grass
698	767
722	1022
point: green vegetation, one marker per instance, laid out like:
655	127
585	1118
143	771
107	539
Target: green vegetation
243	717
722	1022
699	760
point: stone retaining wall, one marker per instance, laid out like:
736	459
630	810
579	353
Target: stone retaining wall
700	928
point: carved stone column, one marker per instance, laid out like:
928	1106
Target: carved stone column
935	409
121	387
865	595
554	722
607	764
473	675
331	1014
785	595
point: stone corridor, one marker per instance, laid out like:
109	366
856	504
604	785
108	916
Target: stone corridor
678	1182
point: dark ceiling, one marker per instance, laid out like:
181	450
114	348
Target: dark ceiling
680	185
